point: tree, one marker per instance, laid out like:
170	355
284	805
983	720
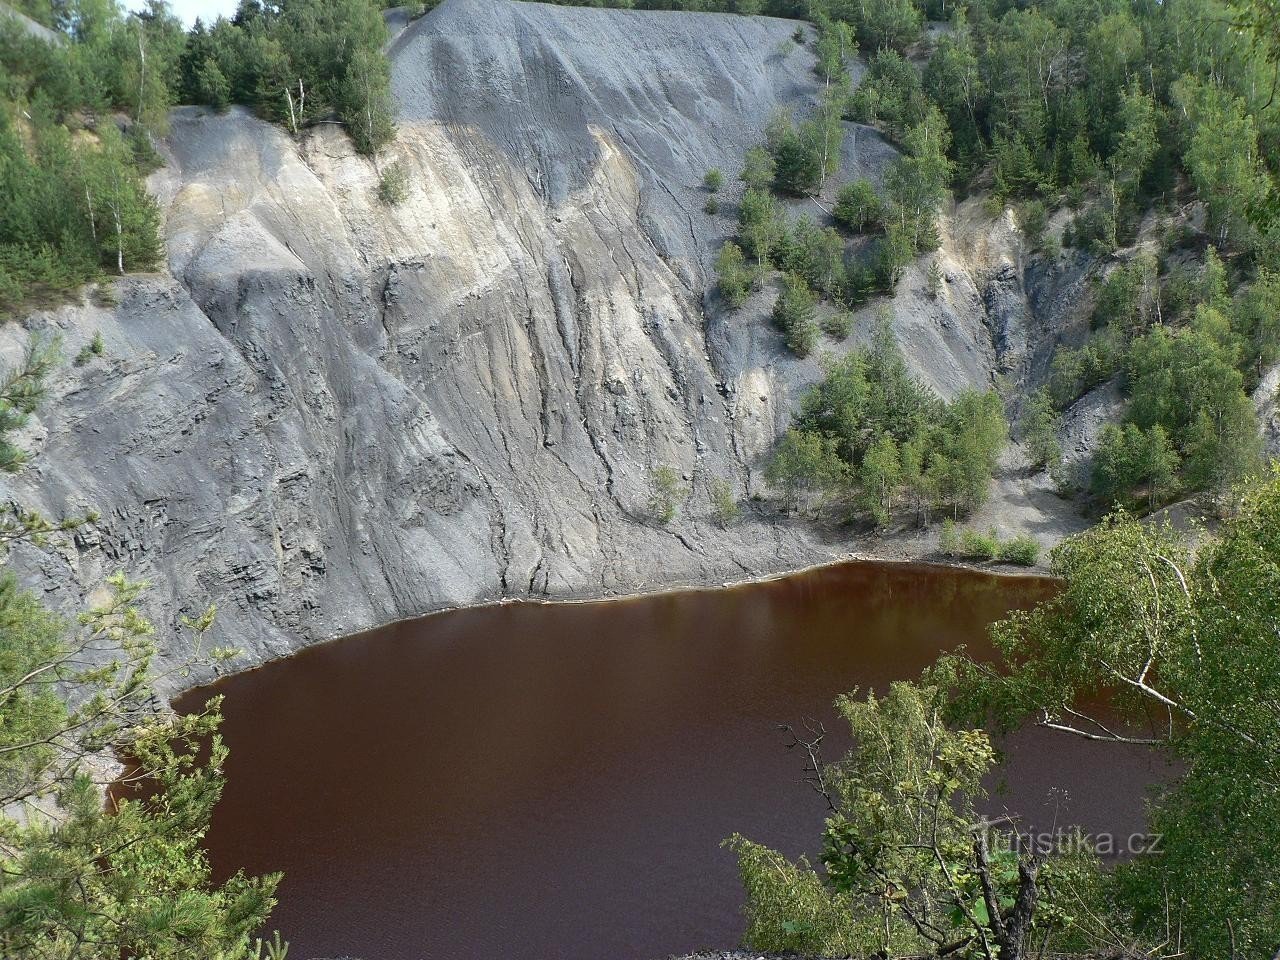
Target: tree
1129	458
132	881
1183	652
1137	142
793	315
21	390
797	156
1040	426
733	278
879	476
858	206
132	234
805	462
724	505
667	492
911	866
364	100
212	87
1222	158
885	23
757	169
835	43
892	254
760	223
917	182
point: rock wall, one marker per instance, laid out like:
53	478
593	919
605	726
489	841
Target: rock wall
327	413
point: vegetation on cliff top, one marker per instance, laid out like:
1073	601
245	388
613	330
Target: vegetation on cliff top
80	116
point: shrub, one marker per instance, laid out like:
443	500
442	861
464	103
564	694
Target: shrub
667	492
94	348
733	279
979	546
393	185
933	279
724	505
858	206
1035	218
1022	551
793	315
714	180
838	325
711	207
949	540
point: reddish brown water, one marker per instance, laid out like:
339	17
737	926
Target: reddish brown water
554	781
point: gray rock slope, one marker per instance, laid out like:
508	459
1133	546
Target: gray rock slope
326	414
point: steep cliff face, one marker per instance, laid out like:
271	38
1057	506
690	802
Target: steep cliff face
328	413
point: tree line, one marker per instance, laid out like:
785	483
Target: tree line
1111	110
80	115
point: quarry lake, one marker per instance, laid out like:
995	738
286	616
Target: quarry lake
553	781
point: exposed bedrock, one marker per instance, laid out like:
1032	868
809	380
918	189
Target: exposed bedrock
328	413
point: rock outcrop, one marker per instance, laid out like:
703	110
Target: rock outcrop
327	413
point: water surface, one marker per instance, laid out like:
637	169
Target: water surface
554	781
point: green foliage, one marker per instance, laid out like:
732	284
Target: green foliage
393	185
1183	653
1186	382
72	208
1137	141
884	23
211	85
96	347
1127	296
916	182
1022	551
858	206
295	63
667	492
713	181
733	278
757	169
1129	458
1040	426
949	538
834	46
979	546
21	390
933	279
890	94
724	505
761	223
804	462
903	841
1222	158
789	908
932	453
1077	371
133	881
815	253
804	154
837	325
969	544
1034	218
793	315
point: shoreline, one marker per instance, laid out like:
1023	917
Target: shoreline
998	570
